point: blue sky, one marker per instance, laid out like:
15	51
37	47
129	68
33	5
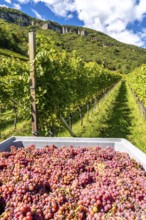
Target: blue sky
124	20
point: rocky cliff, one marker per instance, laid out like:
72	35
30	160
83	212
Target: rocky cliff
19	18
15	16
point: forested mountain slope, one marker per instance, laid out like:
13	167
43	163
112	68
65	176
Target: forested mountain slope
90	45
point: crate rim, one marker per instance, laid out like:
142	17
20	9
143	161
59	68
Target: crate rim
119	144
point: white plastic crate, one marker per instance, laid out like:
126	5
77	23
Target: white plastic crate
119	144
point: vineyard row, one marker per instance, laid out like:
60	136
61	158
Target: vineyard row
64	84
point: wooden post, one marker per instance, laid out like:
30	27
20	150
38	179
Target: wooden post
51	132
0	120
15	119
32	53
95	104
70	120
88	110
145	113
81	118
67	126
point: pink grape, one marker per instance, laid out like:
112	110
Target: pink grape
71	183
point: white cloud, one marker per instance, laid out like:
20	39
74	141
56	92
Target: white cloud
17	6
69	16
143	34
3	5
127	37
8	1
140	10
23	1
108	16
37	14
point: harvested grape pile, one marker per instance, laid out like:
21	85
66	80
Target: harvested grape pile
71	184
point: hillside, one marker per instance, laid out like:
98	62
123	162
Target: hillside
90	45
17	17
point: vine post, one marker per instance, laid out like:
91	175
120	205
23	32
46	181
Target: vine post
15	119
32	53
70	120
81	117
0	120
88	107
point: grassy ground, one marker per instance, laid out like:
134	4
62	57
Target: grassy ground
117	117
125	119
138	124
9	53
95	122
23	128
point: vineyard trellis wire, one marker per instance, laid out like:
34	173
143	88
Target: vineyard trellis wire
64	82
137	83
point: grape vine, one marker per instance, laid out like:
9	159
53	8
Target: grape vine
14	84
64	82
137	81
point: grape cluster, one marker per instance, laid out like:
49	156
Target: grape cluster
71	184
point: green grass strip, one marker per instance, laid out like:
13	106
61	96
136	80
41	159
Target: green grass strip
94	123
9	53
137	127
23	129
117	117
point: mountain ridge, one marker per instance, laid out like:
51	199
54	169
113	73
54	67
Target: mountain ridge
90	45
